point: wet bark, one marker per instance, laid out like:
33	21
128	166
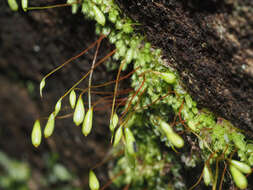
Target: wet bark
210	43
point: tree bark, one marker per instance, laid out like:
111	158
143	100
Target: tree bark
210	44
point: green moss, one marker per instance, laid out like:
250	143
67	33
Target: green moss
147	169
161	97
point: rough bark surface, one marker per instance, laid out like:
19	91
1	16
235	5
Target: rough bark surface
210	43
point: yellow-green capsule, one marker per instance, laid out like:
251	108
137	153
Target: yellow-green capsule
72	99
114	122
93	181
87	124
239	179
208	176
118	136
24	4
13	5
42	85
36	134
175	139
99	16
79	112
75	5
166	127
130	141
244	168
168	77
48	131
57	107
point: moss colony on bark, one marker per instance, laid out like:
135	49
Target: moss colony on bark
161	115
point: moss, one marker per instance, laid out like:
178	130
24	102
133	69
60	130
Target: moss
151	167
160	96
163	98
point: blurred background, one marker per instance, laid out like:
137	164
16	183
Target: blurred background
32	44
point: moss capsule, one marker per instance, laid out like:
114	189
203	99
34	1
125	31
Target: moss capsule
36	134
114	122
99	16
57	107
130	141
175	139
72	99
79	112
93	181
13	5
49	129
244	168
87	124
75	6
239	179
166	127
118	136
24	4
42	85
208	176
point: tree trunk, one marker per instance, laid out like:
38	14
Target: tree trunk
210	44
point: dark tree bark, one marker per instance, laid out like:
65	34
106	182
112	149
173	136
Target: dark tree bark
210	43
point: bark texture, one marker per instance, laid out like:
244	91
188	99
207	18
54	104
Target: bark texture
210	43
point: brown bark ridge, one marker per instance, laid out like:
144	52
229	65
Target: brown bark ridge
31	45
210	43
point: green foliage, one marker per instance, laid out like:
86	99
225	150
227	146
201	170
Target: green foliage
13	5
17	174
159	96
146	169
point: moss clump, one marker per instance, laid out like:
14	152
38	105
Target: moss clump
163	98
159	95
153	167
